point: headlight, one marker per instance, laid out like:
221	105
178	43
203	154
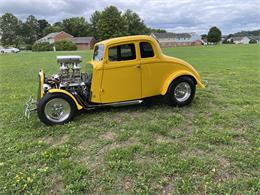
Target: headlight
46	87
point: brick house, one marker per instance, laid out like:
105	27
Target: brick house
177	39
82	43
56	36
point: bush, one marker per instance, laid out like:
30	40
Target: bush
28	47
65	46
42	47
59	46
252	41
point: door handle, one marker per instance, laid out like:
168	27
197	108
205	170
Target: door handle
138	66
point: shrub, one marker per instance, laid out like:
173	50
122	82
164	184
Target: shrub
28	47
42	47
252	41
65	46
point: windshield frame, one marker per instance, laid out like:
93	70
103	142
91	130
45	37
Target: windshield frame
96	56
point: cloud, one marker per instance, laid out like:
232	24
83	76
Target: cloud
173	15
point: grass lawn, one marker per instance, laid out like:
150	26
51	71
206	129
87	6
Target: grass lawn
209	147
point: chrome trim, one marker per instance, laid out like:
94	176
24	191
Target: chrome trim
57	110
205	82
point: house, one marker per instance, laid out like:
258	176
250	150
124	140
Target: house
54	37
177	39
239	40
223	38
82	43
257	38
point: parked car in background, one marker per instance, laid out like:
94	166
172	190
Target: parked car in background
9	50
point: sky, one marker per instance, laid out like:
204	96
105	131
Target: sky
173	15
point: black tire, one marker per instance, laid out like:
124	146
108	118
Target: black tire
63	100
172	97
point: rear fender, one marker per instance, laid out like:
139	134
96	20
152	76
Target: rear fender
176	75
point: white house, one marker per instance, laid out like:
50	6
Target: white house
257	38
177	39
239	40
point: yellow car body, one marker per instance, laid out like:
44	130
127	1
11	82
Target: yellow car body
126	70
115	81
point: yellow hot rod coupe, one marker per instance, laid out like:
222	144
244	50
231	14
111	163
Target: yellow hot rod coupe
126	70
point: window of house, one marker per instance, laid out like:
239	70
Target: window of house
146	50
122	52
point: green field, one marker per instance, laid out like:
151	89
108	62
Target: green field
209	147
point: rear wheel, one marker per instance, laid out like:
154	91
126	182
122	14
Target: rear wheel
56	109
181	92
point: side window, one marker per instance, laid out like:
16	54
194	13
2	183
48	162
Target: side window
112	54
146	50
122	53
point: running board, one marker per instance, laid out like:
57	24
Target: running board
127	103
117	104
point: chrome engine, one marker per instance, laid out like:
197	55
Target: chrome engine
70	77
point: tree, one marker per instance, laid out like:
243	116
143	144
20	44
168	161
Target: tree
51	29
31	30
109	23
204	36
9	28
94	23
76	26
156	30
42	25
103	25
135	26
214	35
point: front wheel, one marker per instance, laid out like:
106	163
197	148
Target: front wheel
55	109
181	92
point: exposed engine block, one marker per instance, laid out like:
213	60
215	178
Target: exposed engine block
70	70
70	77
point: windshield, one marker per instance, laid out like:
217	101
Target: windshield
98	53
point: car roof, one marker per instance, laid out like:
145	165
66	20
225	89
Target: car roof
124	39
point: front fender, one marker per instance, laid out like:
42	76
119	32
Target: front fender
176	75
79	107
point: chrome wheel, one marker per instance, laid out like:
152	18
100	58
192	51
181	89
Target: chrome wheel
57	110
182	91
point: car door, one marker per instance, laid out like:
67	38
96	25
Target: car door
152	69
121	75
